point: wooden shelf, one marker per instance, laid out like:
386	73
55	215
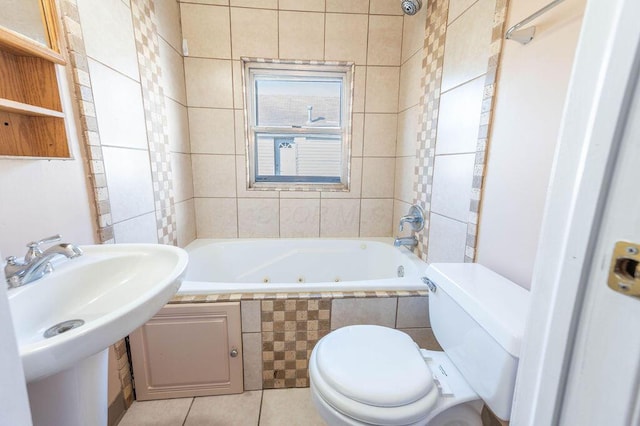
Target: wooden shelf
16	43
8	105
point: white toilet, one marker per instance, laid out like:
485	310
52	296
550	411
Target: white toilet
372	375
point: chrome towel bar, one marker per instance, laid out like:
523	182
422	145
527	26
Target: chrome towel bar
525	35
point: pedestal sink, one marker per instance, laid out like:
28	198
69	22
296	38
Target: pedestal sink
95	300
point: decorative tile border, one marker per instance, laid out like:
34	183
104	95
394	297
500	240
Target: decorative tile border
290	330
233	297
148	50
432	64
83	91
488	101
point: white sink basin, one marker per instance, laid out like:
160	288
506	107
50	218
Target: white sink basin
114	289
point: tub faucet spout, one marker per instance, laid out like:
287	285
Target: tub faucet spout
410	242
37	263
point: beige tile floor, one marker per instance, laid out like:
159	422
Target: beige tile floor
274	407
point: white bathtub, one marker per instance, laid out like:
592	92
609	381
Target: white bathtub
300	265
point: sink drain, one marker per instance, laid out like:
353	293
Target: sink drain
62	327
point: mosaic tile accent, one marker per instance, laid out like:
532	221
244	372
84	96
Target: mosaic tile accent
232	297
488	100
432	64
90	138
290	330
147	46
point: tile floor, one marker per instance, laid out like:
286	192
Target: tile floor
272	407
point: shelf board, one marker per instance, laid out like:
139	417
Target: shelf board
21	45
8	105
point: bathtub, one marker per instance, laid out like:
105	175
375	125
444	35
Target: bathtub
300	266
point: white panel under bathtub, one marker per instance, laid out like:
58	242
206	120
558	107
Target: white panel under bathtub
447	239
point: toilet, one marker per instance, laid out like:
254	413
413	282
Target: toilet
373	375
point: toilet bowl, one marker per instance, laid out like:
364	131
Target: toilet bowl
374	375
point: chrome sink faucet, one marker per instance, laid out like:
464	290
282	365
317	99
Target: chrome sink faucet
415	218
37	263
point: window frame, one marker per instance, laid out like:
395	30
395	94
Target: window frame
273	69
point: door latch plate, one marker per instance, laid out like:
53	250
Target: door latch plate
624	271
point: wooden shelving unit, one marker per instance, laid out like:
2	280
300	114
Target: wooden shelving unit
31	115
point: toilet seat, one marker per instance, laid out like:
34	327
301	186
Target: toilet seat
372	374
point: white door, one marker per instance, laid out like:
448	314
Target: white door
580	363
604	369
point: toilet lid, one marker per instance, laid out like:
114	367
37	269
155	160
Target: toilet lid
374	365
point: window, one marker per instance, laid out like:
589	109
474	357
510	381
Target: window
298	124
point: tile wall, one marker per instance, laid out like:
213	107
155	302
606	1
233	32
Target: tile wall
218	34
461	51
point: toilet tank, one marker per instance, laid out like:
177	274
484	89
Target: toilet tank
478	317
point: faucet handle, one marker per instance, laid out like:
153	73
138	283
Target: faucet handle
34	247
11	260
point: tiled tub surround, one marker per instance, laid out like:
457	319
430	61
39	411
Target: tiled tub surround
290	298
279	330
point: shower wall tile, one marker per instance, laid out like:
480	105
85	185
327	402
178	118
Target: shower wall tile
377	217
468	45
173	72
216	217
359	88
378	311
299	218
357	135
339	217
264	4
447	239
413	32
385	40
301	35
168	13
380	135
238	96
410	74
129	182
118	105
457	7
214	168
177	126
209	83
378	177
346	37
382	89
405	171
306	5
258	218
212	131
351	6
116	49
207	30
254	32
385	7
186	222
459	121
407	139
141	229
452	179
182	175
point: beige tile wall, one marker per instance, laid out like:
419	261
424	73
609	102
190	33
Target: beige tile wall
369	33
175	100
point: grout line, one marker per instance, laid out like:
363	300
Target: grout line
261	401
188	411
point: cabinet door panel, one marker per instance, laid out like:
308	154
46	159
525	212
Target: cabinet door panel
185	350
